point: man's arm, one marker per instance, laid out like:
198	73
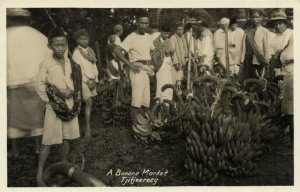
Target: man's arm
40	83
119	56
243	53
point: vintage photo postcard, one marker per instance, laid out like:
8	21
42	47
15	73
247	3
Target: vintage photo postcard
189	95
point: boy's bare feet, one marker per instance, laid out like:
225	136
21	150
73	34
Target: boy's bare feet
88	135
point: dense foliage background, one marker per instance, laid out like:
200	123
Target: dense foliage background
99	21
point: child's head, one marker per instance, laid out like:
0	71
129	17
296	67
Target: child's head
112	39
82	37
57	41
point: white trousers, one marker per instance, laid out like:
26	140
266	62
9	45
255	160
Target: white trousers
164	76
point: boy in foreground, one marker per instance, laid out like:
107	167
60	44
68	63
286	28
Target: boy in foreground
59	84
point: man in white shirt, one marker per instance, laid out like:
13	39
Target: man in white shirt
219	41
205	45
282	51
180	56
235	42
26	48
256	51
138	44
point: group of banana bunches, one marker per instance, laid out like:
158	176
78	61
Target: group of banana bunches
226	125
113	100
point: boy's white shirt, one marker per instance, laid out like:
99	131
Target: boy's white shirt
89	70
50	71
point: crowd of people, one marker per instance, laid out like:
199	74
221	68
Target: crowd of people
46	87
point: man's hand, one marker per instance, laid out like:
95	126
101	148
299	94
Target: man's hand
67	93
134	68
177	66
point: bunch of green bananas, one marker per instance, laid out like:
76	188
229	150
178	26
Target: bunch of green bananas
204	159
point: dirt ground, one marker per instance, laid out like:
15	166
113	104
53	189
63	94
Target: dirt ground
115	148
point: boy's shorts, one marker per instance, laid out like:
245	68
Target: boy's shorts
55	130
87	93
140	85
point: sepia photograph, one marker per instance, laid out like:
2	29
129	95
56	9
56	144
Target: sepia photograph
156	97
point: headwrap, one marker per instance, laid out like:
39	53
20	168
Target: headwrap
56	32
233	21
224	21
165	28
80	32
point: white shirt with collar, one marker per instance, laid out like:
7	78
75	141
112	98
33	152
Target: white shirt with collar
281	40
262	39
89	69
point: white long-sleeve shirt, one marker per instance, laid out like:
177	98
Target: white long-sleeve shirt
235	38
206	44
280	40
262	39
89	70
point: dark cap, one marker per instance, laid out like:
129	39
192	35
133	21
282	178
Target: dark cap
165	28
56	32
232	21
142	13
80	32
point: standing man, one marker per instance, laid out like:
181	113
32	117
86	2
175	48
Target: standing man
26	48
256	51
281	37
206	45
283	58
180	56
138	44
162	61
235	43
154	32
219	42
